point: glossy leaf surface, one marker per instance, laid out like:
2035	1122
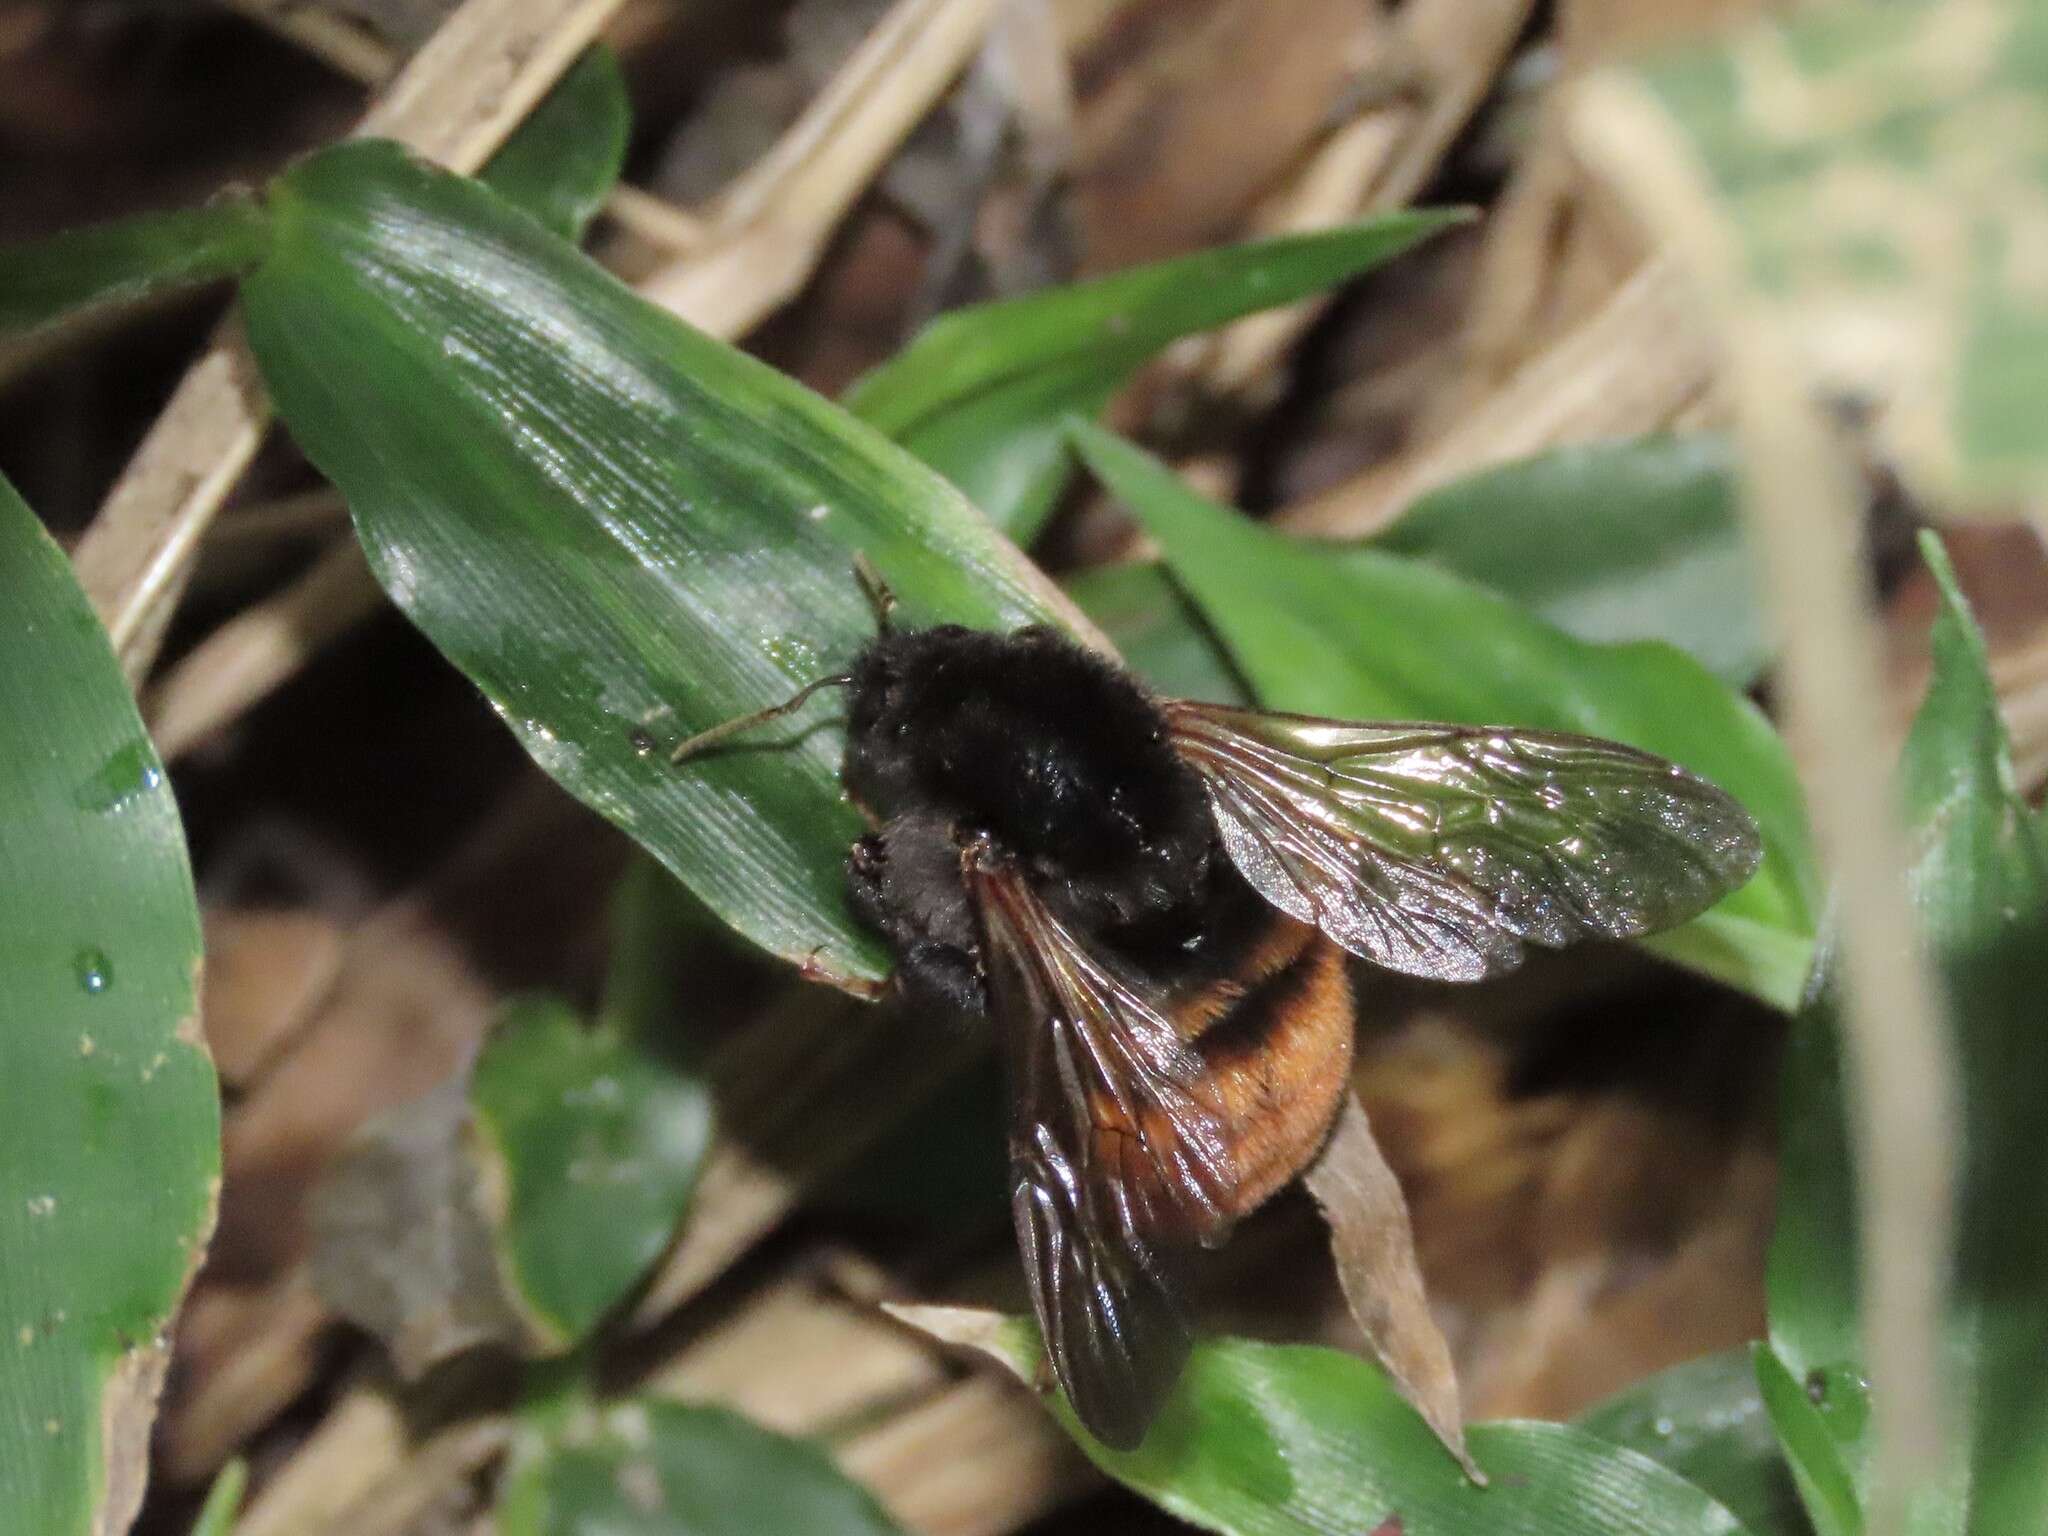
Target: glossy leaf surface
622	530
1706	1421
1287	1440
110	1135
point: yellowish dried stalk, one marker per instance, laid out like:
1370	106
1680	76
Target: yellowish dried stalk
812	1084
455	101
248	656
1804	507
1440	60
354	53
344	47
1628	369
768	229
360	1443
800	1358
742	260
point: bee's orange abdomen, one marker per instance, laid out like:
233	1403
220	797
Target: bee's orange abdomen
1275	1041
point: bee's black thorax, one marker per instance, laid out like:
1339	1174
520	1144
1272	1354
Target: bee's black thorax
1057	755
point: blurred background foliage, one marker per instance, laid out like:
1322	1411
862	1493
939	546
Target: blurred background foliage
1313	354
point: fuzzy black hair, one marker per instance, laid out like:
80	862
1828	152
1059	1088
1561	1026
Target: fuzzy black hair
1057	755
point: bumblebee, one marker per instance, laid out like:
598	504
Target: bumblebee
1153	903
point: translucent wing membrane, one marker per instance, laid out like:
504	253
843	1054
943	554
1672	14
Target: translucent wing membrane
1117	1165
1439	850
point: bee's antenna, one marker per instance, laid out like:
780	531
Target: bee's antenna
697	743
876	590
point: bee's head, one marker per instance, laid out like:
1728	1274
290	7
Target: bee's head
1059	754
905	685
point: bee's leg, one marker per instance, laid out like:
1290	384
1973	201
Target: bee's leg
867	812
877	591
857	986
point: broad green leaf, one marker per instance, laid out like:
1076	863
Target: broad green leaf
980	393
1876	171
1629	540
1980	885
622	530
1355	634
1705	1420
223	1500
654	1468
107	265
109	1118
1289	1440
562	162
595	1142
1160	634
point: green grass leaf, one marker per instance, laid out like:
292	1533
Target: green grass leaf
110	1134
1160	634
1706	1421
223	1500
980	394
108	265
621	529
1289	1440
596	1142
1980	883
1355	634
1638	539
563	161
1819	1422
654	1468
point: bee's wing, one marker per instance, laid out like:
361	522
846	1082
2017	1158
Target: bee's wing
1438	850
1118	1166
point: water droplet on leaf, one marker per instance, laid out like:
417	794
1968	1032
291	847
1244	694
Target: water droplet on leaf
129	773
94	971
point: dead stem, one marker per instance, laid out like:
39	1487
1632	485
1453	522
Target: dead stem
455	101
767	230
748	254
1438	61
250	655
1805	512
1627	369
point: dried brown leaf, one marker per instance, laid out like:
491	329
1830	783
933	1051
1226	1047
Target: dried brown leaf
1374	1246
402	1242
